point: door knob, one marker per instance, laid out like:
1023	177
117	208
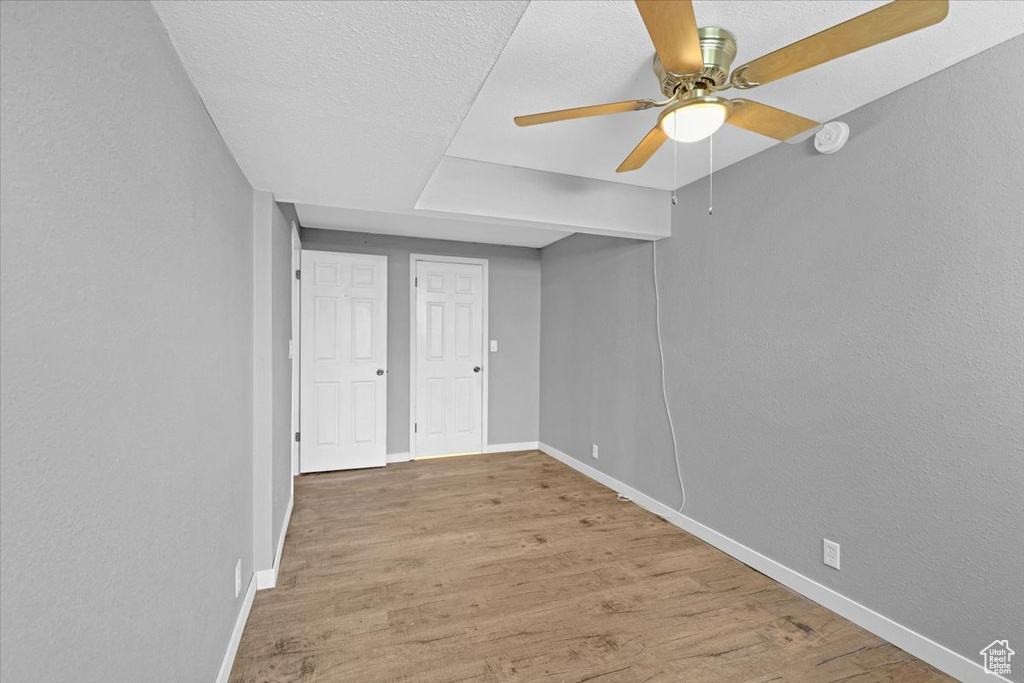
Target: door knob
379	372
476	369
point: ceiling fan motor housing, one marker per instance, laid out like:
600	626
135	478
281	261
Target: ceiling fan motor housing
718	49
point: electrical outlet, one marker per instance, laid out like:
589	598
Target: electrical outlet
830	553
593	452
238	577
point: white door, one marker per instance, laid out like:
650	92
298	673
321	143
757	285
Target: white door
344	353
449	358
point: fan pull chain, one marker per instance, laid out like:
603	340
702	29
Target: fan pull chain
675	166
711	175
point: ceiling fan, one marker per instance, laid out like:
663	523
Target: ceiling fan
693	64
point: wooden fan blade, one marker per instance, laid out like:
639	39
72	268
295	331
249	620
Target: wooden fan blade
769	121
673	30
871	28
643	151
583	112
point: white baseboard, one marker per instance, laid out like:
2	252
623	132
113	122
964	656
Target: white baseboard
267	578
397	457
236	634
509	447
940	657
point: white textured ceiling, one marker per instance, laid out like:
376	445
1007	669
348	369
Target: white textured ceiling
568	54
431	225
348	104
349	107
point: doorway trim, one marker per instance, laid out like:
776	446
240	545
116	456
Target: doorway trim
485	340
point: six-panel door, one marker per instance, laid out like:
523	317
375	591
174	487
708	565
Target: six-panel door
344	361
449	358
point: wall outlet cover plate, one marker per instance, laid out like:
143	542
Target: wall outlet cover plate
830	553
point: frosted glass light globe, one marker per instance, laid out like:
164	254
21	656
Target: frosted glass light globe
693	121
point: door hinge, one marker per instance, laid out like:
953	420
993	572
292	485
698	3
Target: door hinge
298	274
297	436
415	428
416	282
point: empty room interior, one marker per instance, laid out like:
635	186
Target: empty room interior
437	341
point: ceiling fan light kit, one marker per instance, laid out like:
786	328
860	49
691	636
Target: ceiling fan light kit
694	117
693	64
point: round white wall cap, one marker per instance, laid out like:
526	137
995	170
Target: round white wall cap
831	137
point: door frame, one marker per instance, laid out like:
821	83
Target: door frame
485	341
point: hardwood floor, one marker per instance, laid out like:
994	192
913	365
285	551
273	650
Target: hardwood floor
514	567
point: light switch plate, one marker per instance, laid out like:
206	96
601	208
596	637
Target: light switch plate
494	346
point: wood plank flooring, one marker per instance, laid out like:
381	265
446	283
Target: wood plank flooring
514	567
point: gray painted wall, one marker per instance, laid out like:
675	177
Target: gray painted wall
262	380
844	345
272	376
514	319
125	350
281	314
